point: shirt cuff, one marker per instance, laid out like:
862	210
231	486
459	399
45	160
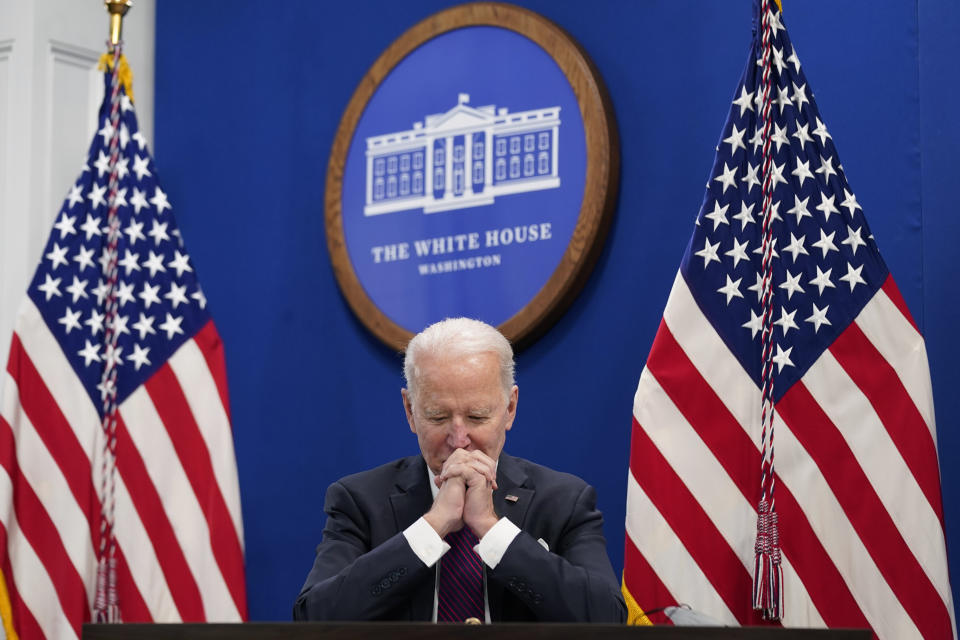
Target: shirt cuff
425	542
493	545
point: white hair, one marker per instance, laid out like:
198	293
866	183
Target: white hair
457	337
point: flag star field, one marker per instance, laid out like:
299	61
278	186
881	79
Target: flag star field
826	265
160	301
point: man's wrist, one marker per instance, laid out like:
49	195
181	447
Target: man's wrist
481	526
441	525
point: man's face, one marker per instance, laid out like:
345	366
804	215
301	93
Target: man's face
460	405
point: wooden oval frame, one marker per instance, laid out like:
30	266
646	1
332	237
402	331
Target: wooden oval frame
600	189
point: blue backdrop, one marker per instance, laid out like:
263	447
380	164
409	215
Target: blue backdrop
249	96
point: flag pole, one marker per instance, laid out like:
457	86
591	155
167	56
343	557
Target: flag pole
117	9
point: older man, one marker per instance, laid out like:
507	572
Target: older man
463	530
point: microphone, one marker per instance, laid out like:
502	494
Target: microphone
684	616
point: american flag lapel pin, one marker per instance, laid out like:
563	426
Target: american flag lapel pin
511	498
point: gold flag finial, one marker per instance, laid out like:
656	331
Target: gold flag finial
117	9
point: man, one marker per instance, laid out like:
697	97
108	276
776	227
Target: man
462	530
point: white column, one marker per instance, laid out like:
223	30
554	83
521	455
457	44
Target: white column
488	160
369	177
428	170
554	148
448	178
468	164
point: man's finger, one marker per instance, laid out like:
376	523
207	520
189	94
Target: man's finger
489	473
467	470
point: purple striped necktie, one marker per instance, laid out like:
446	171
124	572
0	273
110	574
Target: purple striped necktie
461	579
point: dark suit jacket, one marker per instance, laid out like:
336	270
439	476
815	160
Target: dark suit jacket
366	570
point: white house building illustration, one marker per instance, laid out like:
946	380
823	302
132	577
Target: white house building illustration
465	157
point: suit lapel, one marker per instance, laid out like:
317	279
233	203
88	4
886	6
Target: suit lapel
411	497
512	500
410	500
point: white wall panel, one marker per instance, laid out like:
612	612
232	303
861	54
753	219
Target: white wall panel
6	47
76	88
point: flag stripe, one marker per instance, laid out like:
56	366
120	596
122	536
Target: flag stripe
29	465
63	564
174	412
851	562
820	438
849	409
903	348
70	424
70	402
30	578
198	384
702	539
642	579
212	349
143	560
696	384
892	291
880	384
57	374
180	504
149	507
665	551
708	481
56	433
53	459
41	534
706	356
23	620
684	383
134	607
740	461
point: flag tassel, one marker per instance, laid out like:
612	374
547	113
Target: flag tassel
767	574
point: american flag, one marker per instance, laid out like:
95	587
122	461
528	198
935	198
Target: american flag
176	508
856	482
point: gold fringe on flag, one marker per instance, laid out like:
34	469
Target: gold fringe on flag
125	74
6	612
635	615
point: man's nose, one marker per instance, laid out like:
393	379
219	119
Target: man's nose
458	438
